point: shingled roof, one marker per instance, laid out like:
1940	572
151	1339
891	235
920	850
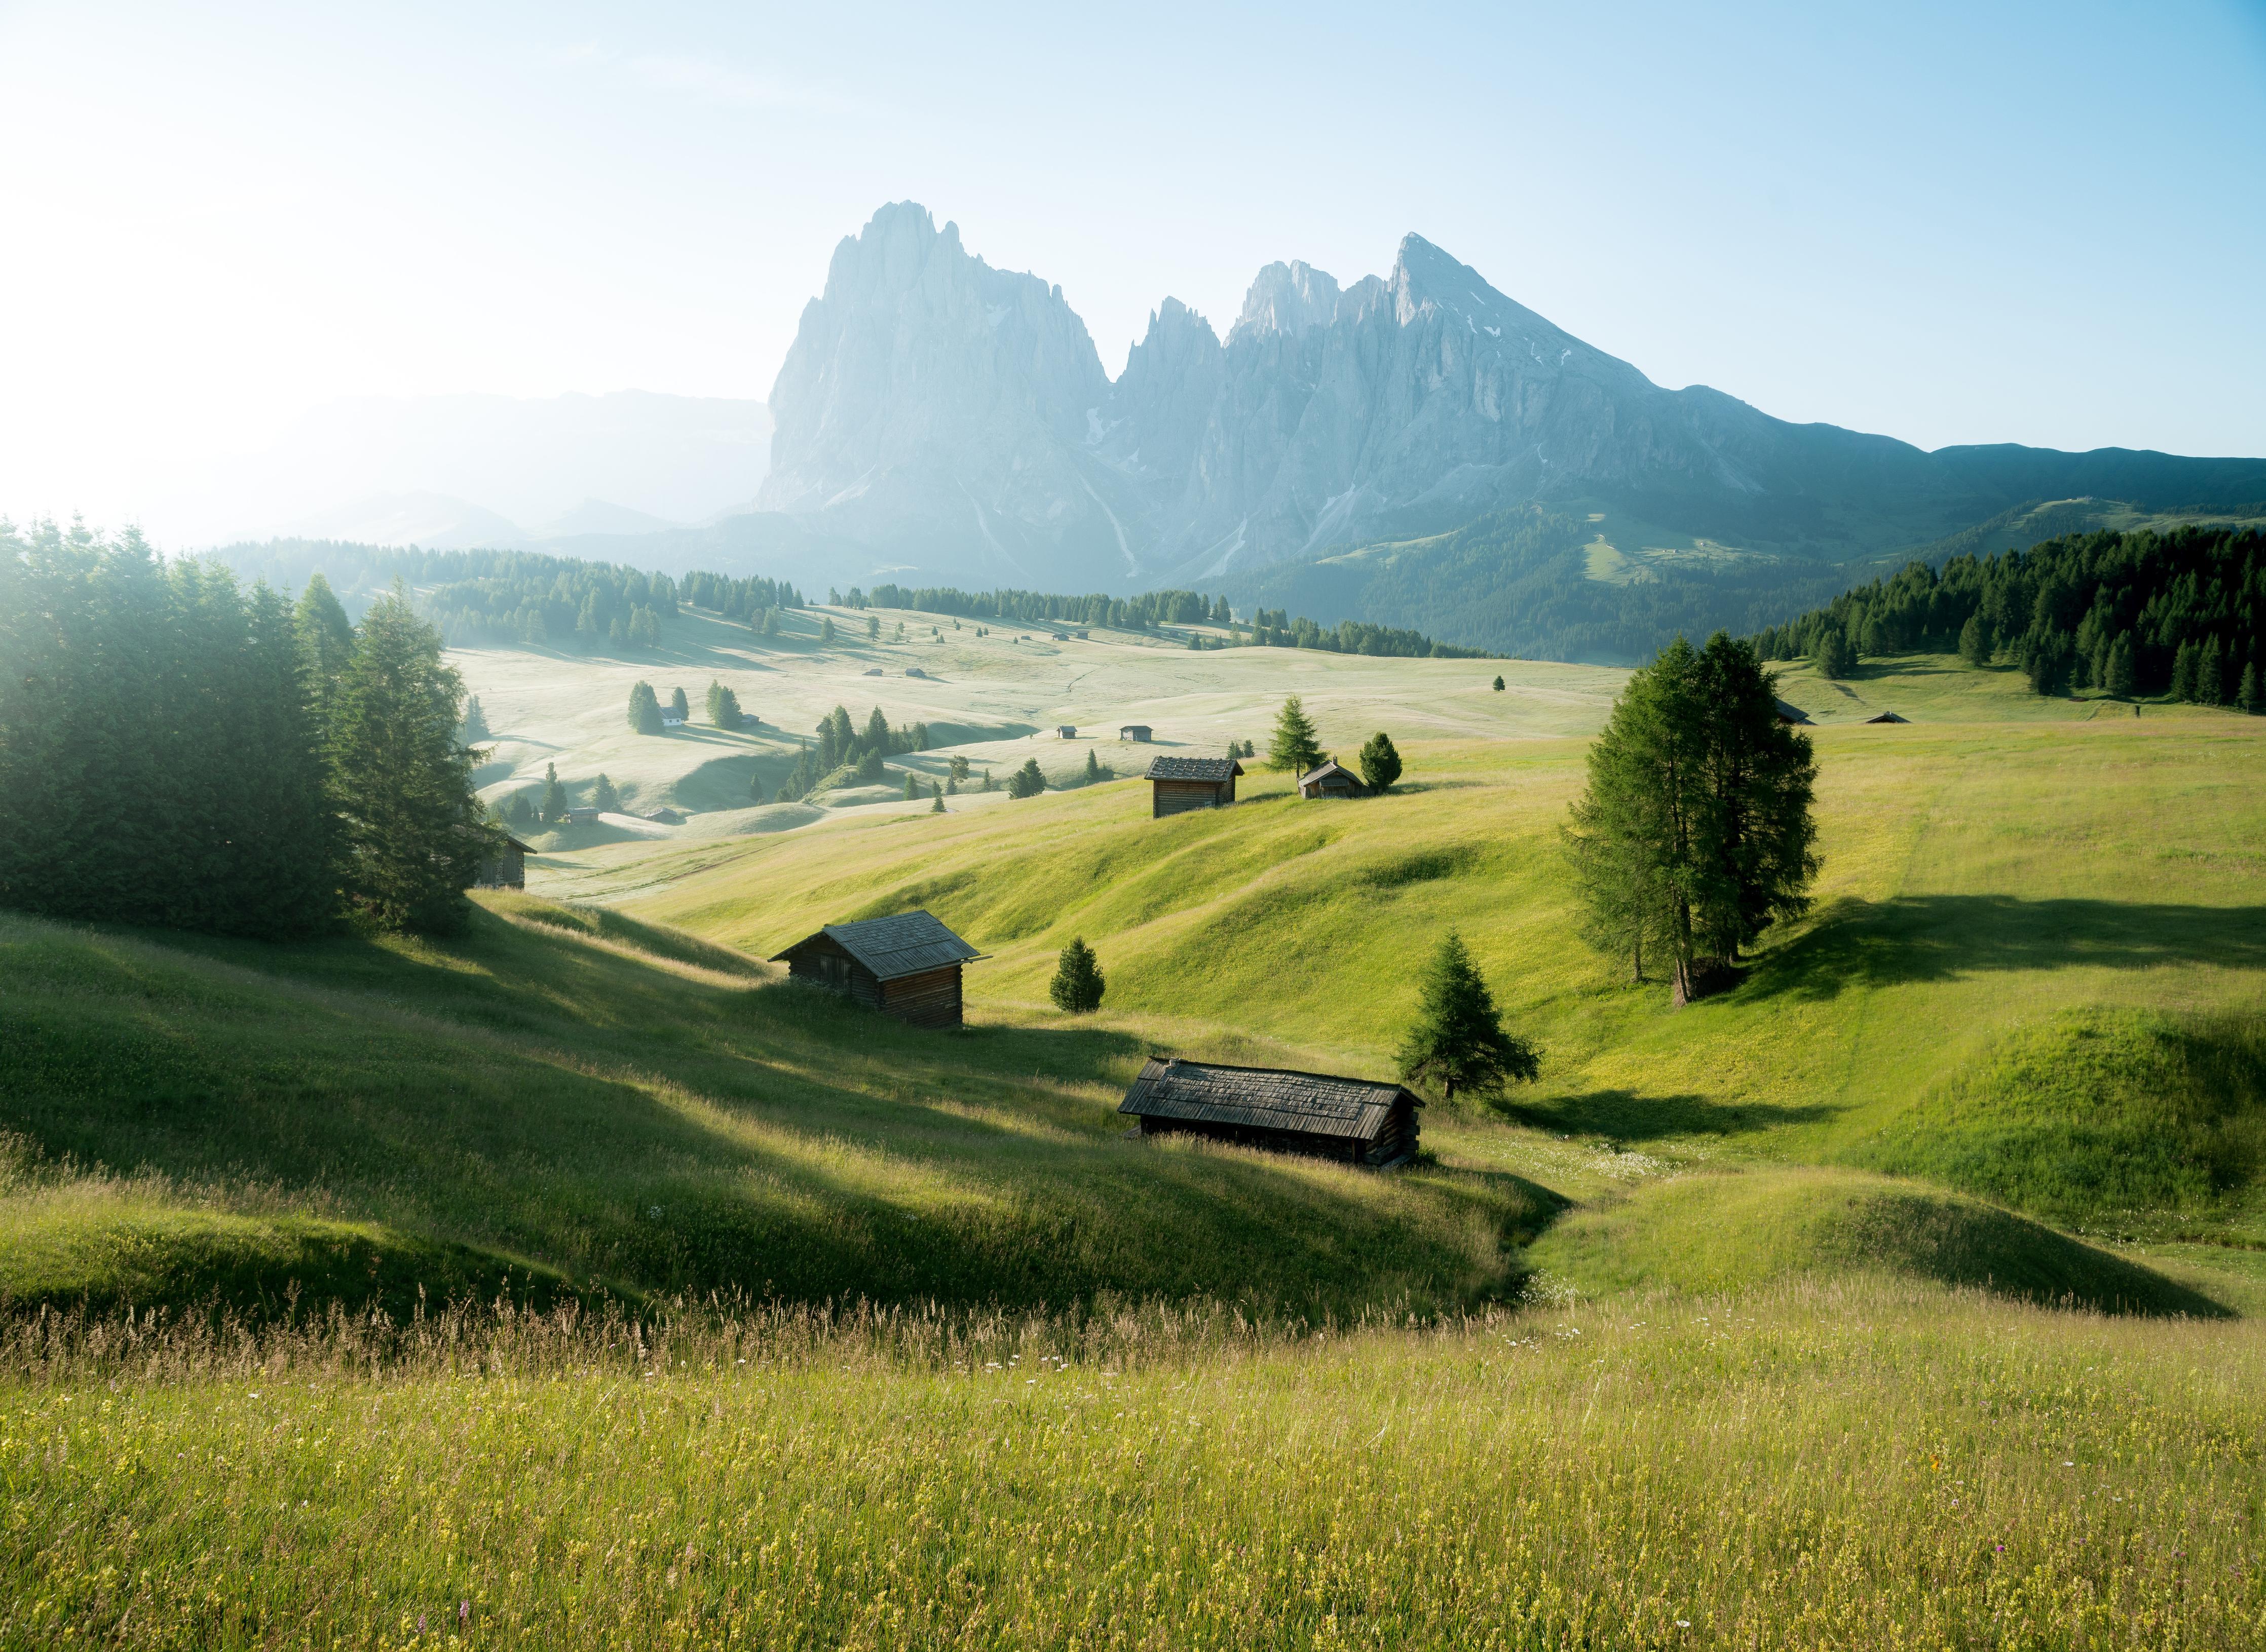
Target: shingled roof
904	944
1213	769
1261	1098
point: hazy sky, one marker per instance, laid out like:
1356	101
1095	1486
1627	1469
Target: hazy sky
1948	223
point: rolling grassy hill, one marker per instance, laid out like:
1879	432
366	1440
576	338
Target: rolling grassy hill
1749	1325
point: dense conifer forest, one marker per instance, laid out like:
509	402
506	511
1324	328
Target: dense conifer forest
178	750
2181	613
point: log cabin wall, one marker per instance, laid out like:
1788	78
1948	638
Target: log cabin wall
930	998
1177	797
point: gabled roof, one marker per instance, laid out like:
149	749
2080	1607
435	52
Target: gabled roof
1888	717
1792	713
1213	769
904	944
1332	767
1263	1098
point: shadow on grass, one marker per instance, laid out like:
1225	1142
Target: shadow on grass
1624	1116
1857	943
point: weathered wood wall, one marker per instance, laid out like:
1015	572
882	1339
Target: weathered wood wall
1177	797
929	999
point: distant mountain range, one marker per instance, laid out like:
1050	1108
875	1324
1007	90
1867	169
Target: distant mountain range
948	422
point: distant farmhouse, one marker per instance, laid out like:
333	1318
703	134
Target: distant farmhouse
907	966
1356	1119
1332	779
671	718
1067	731
507	868
1139	733
1181	783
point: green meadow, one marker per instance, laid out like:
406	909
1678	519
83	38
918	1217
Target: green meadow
580	1280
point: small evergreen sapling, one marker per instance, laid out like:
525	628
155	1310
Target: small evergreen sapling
1498	686
936	798
1458	1042
1077	985
1380	763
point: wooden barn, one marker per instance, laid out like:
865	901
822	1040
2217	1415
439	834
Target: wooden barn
1357	1120
1790	713
507	868
1135	732
1332	779
908	966
1180	783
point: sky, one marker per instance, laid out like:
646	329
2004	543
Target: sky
1950	223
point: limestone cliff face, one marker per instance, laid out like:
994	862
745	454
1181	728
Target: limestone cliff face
937	410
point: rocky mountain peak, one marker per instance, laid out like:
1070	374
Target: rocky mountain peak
1287	298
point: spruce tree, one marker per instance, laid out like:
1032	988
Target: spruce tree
553	806
604	799
519	812
679	707
325	639
1498	686
1975	640
1077	985
2249	695
951	786
873	627
936	798
2120	678
2183	672
755	789
1834	655
476	723
723	706
645	709
283	866
1459	1042
959	767
1294	747
1380	763
871	771
2210	672
826	631
1093	767
414	833
912	787
1027	781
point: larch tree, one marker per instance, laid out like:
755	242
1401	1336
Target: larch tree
1294	747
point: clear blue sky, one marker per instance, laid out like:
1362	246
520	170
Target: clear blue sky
2043	224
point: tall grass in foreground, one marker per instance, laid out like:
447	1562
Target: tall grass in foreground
1859	1464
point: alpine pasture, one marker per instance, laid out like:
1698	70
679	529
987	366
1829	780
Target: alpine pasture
579	1281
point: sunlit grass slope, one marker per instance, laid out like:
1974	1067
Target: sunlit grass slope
1851	1467
2036	969
576	1101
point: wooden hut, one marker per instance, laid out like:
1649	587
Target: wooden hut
1139	733
908	966
1332	779
1180	783
1067	731
507	868
1888	717
1357	1120
1790	713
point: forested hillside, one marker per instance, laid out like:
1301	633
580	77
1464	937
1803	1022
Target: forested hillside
2181	613
1518	583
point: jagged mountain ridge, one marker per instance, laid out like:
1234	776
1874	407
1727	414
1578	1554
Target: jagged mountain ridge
955	421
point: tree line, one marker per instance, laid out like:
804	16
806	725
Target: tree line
176	749
2181	613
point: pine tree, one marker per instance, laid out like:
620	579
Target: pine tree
414	833
519	812
1026	781
1093	770
2120	678
476	723
553	806
645	709
936	798
2249	695
756	789
876	736
679	707
951	786
723	706
604	799
959	767
988	784
1498	686
1975	640
1294	747
770	627
1459	1042
2210	672
826	631
1834	655
1380	763
1077	985
912	787
714	689
873	627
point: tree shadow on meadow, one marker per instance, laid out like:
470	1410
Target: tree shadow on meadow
1624	1116
1856	943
